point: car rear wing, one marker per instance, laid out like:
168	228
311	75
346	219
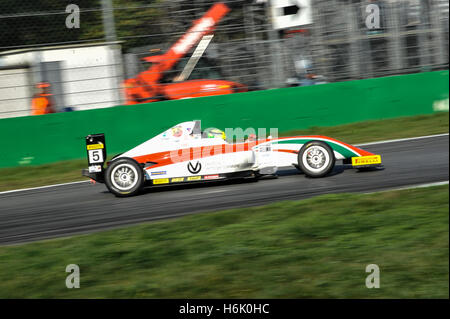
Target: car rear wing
96	154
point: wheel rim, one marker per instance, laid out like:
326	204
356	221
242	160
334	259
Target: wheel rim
124	177
316	158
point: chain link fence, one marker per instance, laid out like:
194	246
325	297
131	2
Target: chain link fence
87	65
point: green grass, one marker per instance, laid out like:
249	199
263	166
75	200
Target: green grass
316	248
370	131
40	175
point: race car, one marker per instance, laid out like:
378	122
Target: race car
187	154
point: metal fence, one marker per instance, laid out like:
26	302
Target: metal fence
87	66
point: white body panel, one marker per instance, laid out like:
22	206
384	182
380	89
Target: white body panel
181	151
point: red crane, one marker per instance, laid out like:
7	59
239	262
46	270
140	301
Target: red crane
146	86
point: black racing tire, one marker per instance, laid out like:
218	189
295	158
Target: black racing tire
124	177
320	162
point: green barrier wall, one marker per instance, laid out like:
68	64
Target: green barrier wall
56	137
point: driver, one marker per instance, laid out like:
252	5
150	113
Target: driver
214	133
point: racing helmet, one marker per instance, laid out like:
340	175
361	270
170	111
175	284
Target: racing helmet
215	133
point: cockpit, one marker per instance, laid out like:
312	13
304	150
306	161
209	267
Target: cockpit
192	130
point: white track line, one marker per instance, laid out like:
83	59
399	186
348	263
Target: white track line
41	187
410	187
402	139
365	144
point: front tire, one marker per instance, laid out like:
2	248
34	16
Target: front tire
316	159
124	177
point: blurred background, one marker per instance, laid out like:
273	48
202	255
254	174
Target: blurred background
105	55
141	51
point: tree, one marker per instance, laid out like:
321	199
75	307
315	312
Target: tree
42	22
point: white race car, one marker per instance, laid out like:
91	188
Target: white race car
185	154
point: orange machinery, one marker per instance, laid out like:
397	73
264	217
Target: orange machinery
146	86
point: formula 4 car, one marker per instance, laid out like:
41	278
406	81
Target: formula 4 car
186	154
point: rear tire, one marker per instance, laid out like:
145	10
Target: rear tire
316	159
124	177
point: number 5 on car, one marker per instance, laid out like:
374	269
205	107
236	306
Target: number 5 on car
95	156
96	151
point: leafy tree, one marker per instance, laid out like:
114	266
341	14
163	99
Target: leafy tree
43	22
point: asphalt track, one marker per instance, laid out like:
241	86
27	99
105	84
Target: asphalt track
81	208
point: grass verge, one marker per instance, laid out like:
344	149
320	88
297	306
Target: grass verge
41	175
316	248
370	131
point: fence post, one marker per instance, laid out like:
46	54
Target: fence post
355	43
422	38
110	36
108	21
395	41
275	48
438	35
